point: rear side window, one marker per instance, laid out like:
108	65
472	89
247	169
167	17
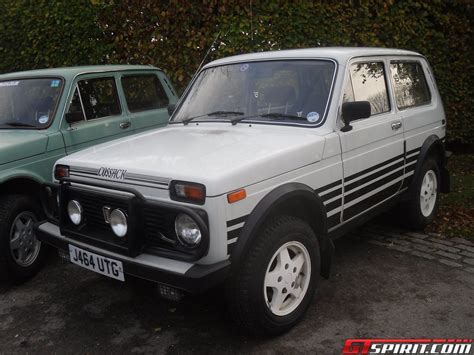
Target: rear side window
367	83
99	97
410	85
144	92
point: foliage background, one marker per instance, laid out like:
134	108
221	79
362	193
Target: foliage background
175	34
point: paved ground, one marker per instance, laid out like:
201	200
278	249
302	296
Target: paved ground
385	283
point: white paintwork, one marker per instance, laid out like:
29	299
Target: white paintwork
340	54
220	156
262	157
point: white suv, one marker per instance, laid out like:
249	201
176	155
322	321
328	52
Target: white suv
268	157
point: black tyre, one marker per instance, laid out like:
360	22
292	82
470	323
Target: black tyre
276	280
423	204
21	254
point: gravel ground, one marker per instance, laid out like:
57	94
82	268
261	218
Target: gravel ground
374	292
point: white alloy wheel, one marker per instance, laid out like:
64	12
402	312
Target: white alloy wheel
428	193
287	278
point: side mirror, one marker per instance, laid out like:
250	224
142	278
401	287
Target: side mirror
352	111
171	108
73	117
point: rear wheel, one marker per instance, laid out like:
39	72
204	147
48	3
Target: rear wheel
275	284
423	204
21	254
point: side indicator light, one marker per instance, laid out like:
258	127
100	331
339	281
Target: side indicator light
236	196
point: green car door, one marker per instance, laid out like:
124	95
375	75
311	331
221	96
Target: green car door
94	113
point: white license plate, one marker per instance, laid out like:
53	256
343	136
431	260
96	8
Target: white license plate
100	264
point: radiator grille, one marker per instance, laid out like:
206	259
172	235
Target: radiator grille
159	227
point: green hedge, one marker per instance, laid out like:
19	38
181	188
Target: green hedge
175	35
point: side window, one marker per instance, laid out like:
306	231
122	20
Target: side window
75	111
348	92
410	85
368	81
144	92
99	97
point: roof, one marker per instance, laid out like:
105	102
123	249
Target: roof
71	72
340	54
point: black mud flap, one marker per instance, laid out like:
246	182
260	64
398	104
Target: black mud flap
326	258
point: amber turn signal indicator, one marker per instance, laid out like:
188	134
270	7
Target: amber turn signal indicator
188	192
61	171
194	193
236	196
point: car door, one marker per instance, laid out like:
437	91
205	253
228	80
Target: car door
373	151
146	98
98	113
417	106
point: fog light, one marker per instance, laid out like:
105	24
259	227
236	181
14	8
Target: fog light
187	230
118	222
74	210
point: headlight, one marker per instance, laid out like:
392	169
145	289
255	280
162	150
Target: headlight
74	210
118	222
187	230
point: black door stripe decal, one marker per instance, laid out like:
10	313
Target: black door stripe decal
373	176
370	201
375	185
363	172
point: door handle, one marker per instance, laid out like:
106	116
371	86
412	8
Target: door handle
125	125
396	125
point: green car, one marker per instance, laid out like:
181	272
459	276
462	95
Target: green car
47	114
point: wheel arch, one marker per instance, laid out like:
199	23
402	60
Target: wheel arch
21	184
294	199
434	147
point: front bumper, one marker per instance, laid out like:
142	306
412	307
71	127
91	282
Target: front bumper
186	276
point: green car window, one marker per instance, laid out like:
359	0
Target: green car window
99	97
144	92
29	103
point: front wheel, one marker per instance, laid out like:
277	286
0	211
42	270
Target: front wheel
21	254
423	205
275	284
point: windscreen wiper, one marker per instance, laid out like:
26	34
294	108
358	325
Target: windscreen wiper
17	124
235	120
215	113
281	115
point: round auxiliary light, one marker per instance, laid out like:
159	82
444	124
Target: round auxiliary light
187	230
118	223
74	210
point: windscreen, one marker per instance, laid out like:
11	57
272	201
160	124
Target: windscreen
270	91
28	103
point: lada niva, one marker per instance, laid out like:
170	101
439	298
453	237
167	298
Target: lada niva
267	158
